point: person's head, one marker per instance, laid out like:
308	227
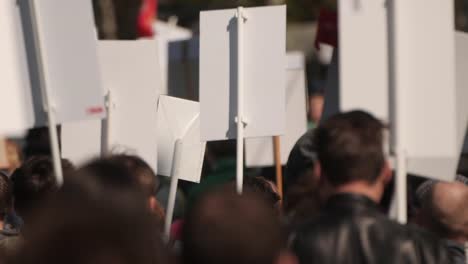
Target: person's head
445	210
264	188
350	149
33	182
6	196
145	176
226	228
90	221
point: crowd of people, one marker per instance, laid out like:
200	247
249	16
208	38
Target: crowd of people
334	210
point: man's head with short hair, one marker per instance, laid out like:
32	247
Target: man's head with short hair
146	178
226	228
351	155
141	170
6	196
350	148
34	181
446	209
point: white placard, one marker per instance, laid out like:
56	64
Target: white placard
363	56
130	73
461	46
264	83
428	99
67	43
178	119
259	151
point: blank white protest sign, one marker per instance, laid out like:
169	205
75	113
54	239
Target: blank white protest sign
461	47
130	73
69	63
264	83
179	119
425	73
259	151
363	61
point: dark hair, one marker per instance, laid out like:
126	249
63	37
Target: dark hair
224	227
91	222
350	147
139	169
6	195
262	187
34	181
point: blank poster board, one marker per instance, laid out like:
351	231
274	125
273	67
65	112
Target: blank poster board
461	46
363	56
69	63
130	73
428	98
259	151
264	60
179	119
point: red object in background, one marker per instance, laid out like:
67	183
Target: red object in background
148	13
327	28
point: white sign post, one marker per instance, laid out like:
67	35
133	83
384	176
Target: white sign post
56	42
130	76
180	151
242	77
417	98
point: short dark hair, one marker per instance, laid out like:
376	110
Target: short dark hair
34	181
88	222
350	147
262	187
6	195
141	171
224	227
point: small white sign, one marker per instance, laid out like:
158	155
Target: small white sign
264	75
66	41
259	151
178	120
130	73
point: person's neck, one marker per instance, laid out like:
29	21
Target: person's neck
372	191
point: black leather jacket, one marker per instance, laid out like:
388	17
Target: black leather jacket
351	229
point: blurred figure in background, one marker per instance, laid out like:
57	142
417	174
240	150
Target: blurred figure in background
351	227
265	189
33	183
223	227
8	236
445	213
97	217
301	192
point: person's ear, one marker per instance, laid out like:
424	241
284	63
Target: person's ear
286	257
318	172
386	173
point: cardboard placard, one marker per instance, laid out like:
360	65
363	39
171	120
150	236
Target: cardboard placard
178	119
428	95
264	75
64	53
259	151
130	73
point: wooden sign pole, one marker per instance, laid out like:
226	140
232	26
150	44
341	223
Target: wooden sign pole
278	165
